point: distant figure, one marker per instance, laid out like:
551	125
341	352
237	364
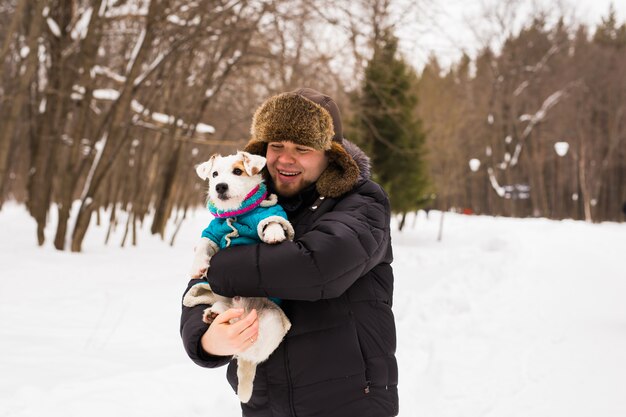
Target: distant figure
624	208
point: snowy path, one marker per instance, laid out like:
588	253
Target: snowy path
505	317
515	318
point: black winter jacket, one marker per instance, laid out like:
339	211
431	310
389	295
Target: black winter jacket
336	283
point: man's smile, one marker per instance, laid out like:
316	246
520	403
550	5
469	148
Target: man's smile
288	173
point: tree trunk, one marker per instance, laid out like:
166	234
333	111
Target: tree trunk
10	33
163	209
112	223
117	130
17	105
583	181
76	163
178	225
402	221
63	215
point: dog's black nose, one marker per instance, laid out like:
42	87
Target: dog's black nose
221	188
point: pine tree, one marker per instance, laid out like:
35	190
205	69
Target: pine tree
387	127
609	33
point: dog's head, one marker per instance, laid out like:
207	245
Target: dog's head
231	177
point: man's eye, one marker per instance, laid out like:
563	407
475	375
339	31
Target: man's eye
237	171
303	150
214	174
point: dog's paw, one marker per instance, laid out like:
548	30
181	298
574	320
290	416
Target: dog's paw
215	310
209	315
273	233
199	273
200	266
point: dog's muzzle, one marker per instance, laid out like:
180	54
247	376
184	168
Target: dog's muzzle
222	189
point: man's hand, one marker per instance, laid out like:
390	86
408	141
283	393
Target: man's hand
225	339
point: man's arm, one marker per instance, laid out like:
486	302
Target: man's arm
191	330
344	244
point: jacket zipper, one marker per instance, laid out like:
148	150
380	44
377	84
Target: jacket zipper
289	382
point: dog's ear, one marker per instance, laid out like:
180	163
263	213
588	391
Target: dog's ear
252	163
204	169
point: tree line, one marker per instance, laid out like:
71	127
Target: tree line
107	106
537	128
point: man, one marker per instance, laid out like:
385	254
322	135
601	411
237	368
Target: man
334	279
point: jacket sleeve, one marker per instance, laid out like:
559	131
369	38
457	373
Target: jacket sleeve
191	330
341	246
211	232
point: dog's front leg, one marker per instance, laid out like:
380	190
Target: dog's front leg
275	229
221	305
273	233
205	249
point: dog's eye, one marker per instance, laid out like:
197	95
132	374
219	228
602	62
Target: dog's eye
214	174
237	171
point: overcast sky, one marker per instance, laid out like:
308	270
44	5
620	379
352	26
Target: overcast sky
456	25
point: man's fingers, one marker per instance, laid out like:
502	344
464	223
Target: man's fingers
247	338
245	322
249	335
228	315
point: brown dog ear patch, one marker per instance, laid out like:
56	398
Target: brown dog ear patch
241	166
246	161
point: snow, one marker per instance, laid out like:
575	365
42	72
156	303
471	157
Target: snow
99	147
142	77
161	118
54	27
520	88
174	19
561	148
502	318
106	94
137	9
137	106
205	128
103	7
494	182
82	25
98	69
135	52
474	164
534	119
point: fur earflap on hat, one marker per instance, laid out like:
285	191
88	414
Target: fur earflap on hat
309	118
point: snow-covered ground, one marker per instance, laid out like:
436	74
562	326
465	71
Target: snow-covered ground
503	317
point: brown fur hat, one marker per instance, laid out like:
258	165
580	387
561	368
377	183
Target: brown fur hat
310	118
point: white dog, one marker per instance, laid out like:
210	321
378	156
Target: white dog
243	214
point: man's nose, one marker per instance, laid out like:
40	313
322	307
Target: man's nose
221	188
287	157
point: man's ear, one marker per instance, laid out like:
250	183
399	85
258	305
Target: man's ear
204	169
253	164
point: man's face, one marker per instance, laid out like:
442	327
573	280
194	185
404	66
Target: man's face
294	167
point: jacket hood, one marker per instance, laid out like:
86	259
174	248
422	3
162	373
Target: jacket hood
362	160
